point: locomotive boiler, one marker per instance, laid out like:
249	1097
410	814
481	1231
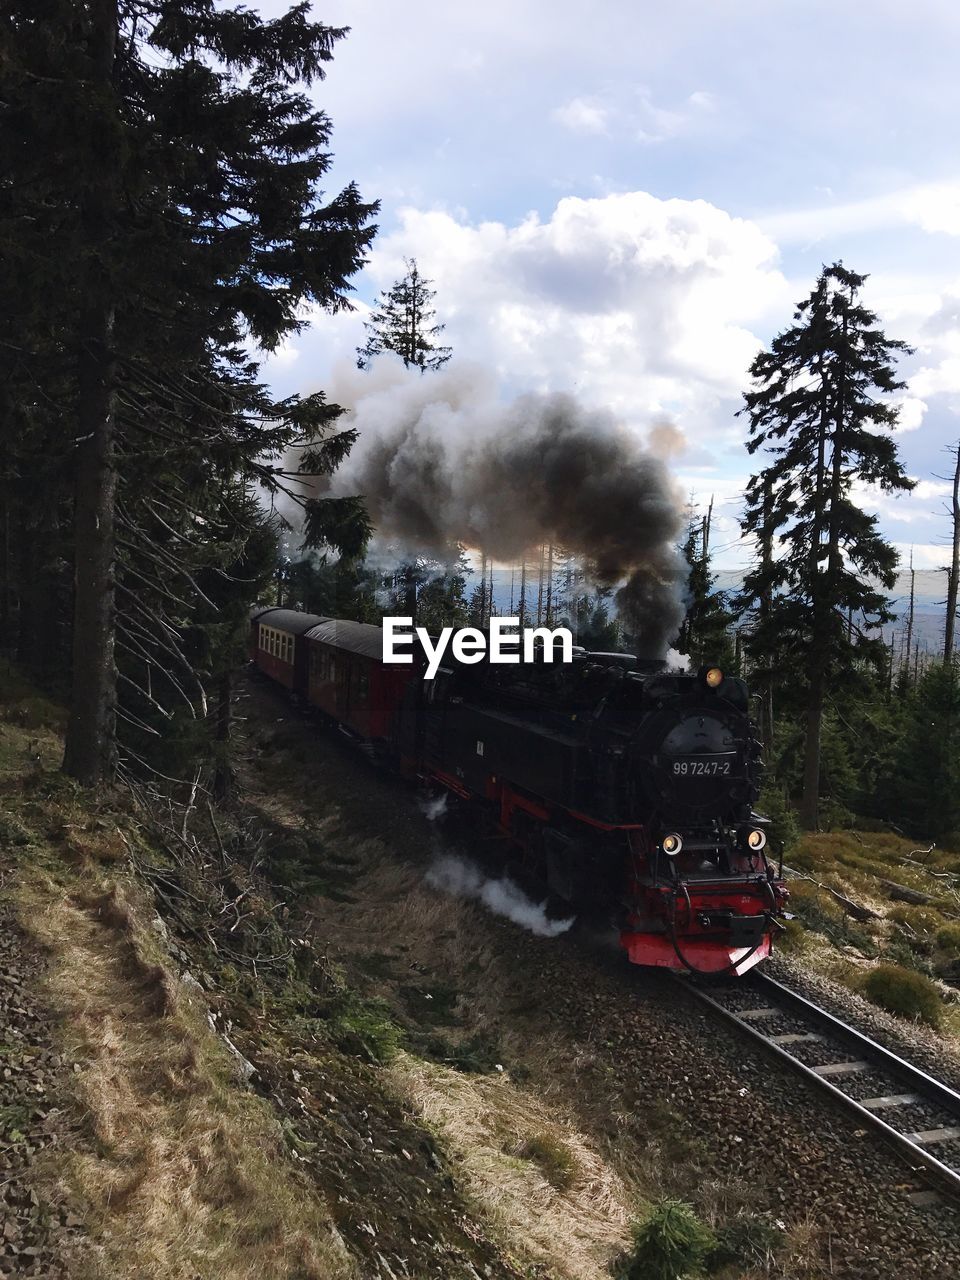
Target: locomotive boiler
618	785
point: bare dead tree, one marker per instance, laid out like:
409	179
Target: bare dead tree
953	574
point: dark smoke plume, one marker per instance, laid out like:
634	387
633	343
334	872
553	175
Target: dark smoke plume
441	460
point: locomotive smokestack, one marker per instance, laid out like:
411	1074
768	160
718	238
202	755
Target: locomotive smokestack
440	459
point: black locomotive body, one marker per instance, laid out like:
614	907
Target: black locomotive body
627	785
618	783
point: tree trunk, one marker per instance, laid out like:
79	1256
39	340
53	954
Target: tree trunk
810	803
824	599
766	604
90	754
950	629
6	585
223	774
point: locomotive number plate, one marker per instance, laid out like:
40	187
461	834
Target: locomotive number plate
702	768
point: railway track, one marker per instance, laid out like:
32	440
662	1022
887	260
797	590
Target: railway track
914	1113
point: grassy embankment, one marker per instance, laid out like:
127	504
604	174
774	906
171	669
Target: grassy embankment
902	955
181	1172
345	1149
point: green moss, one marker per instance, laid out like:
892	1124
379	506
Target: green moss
364	1027
476	1055
948	938
921	920
794	938
902	991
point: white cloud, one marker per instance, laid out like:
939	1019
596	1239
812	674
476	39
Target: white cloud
286	354
926	555
916	507
657	124
933	207
635	115
640	304
912	409
583	115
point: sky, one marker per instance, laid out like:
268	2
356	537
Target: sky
627	200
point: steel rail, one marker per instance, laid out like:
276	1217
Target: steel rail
920	1160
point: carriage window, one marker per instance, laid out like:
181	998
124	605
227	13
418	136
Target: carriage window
363	683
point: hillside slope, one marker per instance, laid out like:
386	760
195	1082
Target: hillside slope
232	1107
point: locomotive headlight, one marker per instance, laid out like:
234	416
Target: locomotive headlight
756	840
713	677
671	844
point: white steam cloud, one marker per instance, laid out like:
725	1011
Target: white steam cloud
441	459
463	879
435	808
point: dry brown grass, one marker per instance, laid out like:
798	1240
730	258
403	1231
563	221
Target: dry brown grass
187	1177
574	1225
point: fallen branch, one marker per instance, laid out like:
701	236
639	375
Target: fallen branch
926	853
901	893
855	909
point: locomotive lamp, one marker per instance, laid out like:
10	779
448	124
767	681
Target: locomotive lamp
713	677
756	840
671	844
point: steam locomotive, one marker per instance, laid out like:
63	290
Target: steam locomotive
619	784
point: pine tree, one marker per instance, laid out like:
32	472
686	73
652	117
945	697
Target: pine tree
817	410
705	633
161	166
924	780
404	323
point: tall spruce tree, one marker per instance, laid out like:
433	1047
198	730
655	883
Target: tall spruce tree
162	216
817	410
705	633
405	323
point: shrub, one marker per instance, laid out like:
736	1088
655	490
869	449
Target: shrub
821	914
948	938
920	919
794	938
746	1242
364	1027
554	1158
904	992
802	859
671	1244
909	954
